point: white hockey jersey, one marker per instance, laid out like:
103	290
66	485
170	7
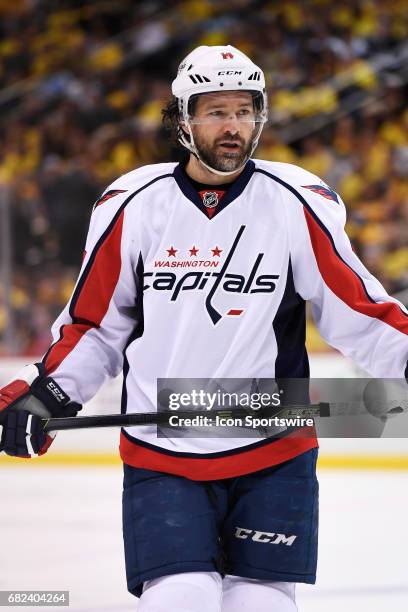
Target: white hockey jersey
167	292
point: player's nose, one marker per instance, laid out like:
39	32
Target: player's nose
232	123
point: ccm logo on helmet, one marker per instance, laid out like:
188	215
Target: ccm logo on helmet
229	72
264	537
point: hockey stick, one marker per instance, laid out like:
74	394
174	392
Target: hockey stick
162	418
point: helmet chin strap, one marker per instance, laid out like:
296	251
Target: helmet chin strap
191	146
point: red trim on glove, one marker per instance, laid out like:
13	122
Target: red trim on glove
12	392
46	446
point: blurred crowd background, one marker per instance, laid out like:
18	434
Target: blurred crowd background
82	85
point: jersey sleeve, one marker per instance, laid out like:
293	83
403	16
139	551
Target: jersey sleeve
351	308
91	333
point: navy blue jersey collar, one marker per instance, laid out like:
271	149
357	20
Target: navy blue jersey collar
237	187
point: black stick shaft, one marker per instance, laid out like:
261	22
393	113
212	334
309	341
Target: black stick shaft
156	418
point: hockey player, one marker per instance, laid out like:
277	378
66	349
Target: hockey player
202	270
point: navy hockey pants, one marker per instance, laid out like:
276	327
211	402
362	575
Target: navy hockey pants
262	525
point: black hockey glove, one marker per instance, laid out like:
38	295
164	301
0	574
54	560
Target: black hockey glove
23	404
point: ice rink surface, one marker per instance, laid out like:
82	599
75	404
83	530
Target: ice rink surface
61	529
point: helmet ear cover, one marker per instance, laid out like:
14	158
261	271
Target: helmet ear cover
192	104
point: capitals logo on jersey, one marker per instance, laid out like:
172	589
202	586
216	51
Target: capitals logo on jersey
324	191
214	281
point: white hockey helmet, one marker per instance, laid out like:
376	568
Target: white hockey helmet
213	69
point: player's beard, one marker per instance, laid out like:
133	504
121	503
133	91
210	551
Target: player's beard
222	160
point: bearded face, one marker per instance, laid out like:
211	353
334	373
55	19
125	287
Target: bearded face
224	129
226	153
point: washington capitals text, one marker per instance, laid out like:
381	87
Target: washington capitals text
234	283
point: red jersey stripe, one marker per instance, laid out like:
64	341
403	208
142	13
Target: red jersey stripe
227	466
71	334
94	297
346	284
99	285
